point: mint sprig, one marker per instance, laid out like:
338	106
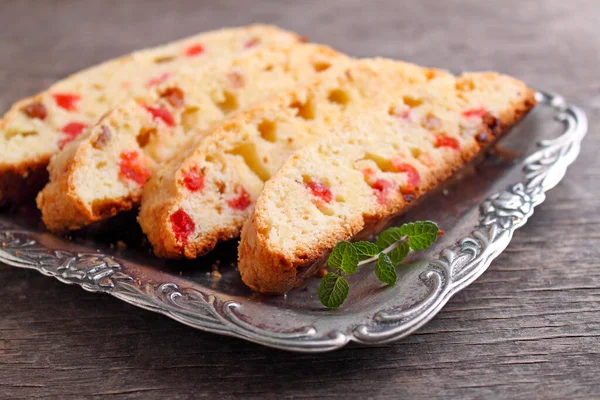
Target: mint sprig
333	290
385	269
345	257
391	248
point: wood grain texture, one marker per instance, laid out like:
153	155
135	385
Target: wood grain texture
528	328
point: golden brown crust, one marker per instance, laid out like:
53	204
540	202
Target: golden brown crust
63	213
269	271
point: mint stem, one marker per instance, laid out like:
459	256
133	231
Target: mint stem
387	250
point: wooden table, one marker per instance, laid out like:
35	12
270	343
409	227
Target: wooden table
529	327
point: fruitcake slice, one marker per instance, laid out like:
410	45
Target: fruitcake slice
206	194
104	172
371	168
37	127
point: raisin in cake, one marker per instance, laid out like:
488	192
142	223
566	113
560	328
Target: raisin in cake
104	171
205	195
371	168
36	127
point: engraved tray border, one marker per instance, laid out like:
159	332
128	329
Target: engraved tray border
453	269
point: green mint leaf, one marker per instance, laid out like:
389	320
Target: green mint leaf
420	234
399	253
345	257
366	249
385	270
389	237
350	260
333	290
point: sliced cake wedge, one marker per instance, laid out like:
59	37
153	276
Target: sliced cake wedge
205	194
104	171
37	127
372	167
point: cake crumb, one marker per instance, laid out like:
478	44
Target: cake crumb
322	273
215	271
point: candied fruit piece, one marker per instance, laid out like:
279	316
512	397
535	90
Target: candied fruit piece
71	131
182	225
103	138
194	180
131	167
414	178
380	188
194	50
68	101
320	191
446	141
242	201
475	112
162	114
35	110
174	96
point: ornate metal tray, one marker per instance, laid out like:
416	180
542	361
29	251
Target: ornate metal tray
479	216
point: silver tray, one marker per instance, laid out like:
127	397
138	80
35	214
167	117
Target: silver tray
494	198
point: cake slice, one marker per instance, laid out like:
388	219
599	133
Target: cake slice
205	194
104	171
37	127
371	168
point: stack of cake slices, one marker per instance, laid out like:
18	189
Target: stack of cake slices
248	131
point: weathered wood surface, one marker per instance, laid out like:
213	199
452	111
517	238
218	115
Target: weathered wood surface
529	327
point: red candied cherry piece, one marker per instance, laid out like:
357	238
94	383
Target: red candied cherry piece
320	191
131	167
68	101
194	50
194	180
380	188
242	201
162	114
414	178
71	131
182	225
157	80
476	112
445	141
